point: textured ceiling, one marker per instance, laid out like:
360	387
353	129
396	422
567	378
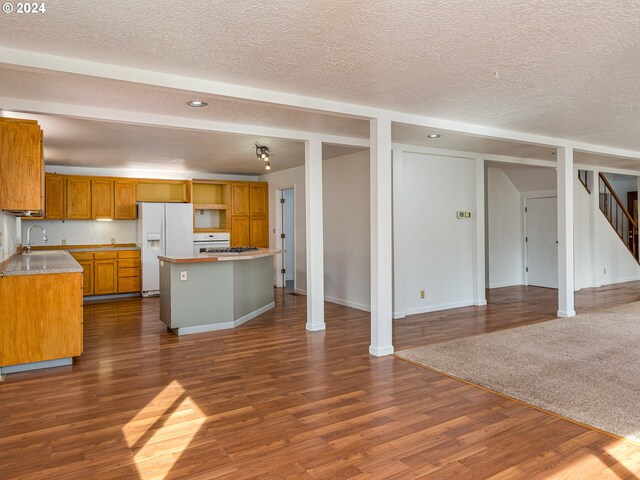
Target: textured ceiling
563	68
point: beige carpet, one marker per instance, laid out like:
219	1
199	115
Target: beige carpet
586	368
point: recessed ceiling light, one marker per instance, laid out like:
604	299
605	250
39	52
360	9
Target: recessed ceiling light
433	135
197	103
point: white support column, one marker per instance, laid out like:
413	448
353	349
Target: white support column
314	230
595	213
565	232
479	297
381	239
399	238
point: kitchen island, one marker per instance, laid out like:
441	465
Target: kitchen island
205	292
40	311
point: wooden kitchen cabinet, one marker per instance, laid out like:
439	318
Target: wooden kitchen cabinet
240	231
102	205
105	276
258	203
87	277
44	329
125	199
21	166
78	198
129	271
55	188
259	232
240	199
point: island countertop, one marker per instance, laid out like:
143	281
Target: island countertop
204	257
40	262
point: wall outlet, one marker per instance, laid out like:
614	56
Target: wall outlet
113	241
421	293
183	275
64	241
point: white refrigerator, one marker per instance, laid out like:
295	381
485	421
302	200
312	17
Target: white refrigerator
163	229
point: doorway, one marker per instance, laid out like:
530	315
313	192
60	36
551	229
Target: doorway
541	242
287	237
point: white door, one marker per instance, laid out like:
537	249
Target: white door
542	242
288	230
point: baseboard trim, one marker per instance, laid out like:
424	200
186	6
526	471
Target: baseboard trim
25	367
348	303
566	314
212	327
436	308
381	351
504	284
316	327
480	303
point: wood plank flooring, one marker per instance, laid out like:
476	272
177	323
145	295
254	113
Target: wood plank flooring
270	400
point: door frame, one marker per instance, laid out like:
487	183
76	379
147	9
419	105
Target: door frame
279	244
525	252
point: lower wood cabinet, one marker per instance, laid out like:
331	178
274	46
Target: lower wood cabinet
41	317
110	272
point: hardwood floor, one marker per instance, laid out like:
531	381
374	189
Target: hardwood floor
271	400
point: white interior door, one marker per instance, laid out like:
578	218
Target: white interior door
542	242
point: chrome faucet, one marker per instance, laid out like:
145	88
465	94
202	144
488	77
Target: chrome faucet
44	236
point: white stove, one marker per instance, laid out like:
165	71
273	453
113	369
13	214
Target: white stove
204	241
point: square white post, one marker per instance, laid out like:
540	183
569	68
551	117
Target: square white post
314	229
565	232
399	237
479	276
381	239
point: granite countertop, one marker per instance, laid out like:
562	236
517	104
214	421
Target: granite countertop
40	262
96	248
202	257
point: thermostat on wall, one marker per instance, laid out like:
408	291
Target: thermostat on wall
460	214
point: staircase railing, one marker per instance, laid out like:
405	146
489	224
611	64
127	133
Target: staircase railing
618	216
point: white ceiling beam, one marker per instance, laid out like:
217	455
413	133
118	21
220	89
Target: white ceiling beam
138	118
33	60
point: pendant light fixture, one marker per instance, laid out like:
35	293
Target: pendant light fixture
263	153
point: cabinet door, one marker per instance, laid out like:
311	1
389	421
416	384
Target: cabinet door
87	277
240	231
101	198
54	196
259	203
259	232
78	198
105	277
125	199
240	199
21	166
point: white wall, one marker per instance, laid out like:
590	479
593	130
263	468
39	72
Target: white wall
347	252
81	232
623	184
439	246
582	236
9	227
290	178
504	231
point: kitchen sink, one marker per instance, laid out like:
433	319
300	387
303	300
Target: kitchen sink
43	252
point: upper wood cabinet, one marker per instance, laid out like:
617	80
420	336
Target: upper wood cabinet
258	199
21	166
102	198
240	199
78	198
240	231
125	199
55	188
259	231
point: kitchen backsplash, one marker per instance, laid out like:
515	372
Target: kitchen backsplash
81	232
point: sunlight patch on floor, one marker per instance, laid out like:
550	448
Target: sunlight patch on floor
162	431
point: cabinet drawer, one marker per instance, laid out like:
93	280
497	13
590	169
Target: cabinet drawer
128	284
105	255
82	255
128	272
129	254
129	263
